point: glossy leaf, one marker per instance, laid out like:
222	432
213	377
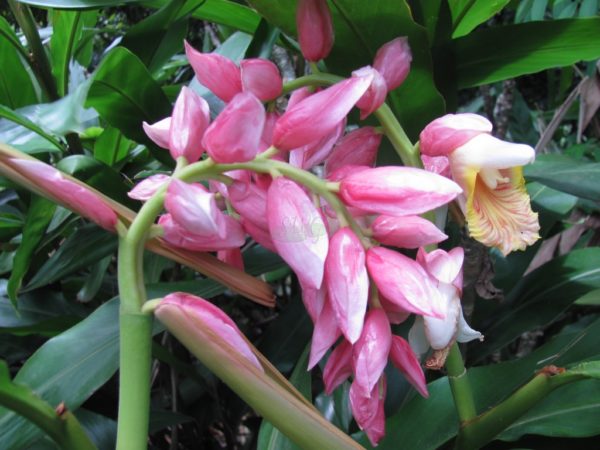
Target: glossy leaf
357	38
18	119
566	175
75	4
526	48
83	248
550	200
125	94
466	14
539	298
111	147
16	86
39	214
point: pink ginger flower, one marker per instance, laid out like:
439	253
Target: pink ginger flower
178	236
67	192
357	148
367	409
146	188
406	232
347	282
193	319
338	367
235	134
325	333
405	360
375	95
397	191
232	256
297	230
159	132
315	29
316	116
496	205
313	154
261	77
392	61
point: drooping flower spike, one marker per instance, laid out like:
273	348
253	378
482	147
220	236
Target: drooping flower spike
495	203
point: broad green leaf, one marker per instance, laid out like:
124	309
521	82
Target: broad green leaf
16	86
10	225
413	426
101	429
18	119
67	29
93	282
592	298
111	147
539	298
360	29
158	37
566	175
269	437
467	14
125	94
39	313
263	40
39	215
76	4
223	12
82	249
550	200
571	411
526	48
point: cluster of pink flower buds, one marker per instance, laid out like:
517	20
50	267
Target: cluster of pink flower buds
353	288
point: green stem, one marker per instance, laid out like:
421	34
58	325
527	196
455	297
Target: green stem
481	430
459	384
316	79
395	133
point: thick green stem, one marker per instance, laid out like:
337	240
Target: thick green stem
459	384
316	79
134	381
481	430
395	133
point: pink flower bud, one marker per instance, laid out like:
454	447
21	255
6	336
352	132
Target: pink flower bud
338	367
84	201
315	153
178	236
437	164
392	61
367	409
235	134
300	94
397	191
148	187
313	300
406	232
395	314
297	230
250	201
347	282
444	135
357	148
194	209
316	116
267	135
315	29
218	73
192	318
371	351
407	362
232	256
445	267
262	78
158	132
325	334
189	121
403	282
375	95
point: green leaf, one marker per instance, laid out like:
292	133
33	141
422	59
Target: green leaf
550	200
358	37
68	368
39	215
566	175
539	298
571	411
526	48
45	313
263	40
82	249
75	4
111	147
467	14
93	282
13	116
16	86
592	298
67	29
158	37
223	12
125	94
101	429
269	437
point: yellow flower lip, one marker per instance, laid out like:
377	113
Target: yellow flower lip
494	201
